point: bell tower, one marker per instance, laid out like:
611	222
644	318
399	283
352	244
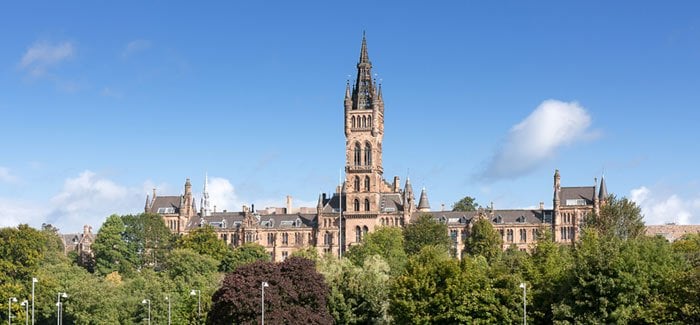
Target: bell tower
364	130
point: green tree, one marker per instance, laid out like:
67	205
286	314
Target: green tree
618	217
467	203
387	242
204	240
111	251
484	240
242	255
425	231
147	237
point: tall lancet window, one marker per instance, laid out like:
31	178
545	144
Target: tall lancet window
367	183
352	119
366	205
369	121
358	234
368	154
357	184
357	205
357	154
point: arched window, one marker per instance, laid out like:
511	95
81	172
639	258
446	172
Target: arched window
357	154
358	234
357	184
353	121
364	121
357	205
367	183
366	205
369	121
368	154
365	230
328	239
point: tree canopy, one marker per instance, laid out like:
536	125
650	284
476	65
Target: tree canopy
466	203
425	231
618	217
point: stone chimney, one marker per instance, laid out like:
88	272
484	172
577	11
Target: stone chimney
541	205
397	184
289	204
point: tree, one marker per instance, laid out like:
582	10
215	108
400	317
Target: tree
147	237
387	242
204	240
242	255
618	217
425	231
296	294
467	203
484	240
111	252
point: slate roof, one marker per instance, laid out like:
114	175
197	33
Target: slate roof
390	202
520	216
166	202
233	220
574	193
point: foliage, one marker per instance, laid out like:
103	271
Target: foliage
147	237
467	203
387	242
296	294
425	231
242	255
310	253
484	240
618	217
204	240
111	251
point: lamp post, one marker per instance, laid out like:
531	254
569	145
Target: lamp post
148	301
59	312
167	298
25	304
263	285
9	309
34	281
523	286
198	293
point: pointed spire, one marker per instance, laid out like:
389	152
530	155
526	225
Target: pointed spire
320	201
206	208
364	57
347	90
148	204
423	204
603	192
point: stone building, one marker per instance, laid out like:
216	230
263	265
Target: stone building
366	200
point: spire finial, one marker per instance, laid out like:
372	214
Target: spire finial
364	57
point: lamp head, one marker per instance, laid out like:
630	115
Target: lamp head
522	285
265	285
145	301
193	292
13	299
64	295
35	280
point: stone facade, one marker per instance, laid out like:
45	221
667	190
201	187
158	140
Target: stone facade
366	200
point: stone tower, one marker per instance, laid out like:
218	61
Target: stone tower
364	130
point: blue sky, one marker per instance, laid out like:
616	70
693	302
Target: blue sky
101	102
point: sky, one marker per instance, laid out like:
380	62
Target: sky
100	102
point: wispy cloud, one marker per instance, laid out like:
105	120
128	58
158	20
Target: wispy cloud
134	47
660	208
551	126
44	55
6	176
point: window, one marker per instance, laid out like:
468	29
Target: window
369	121
365	230
364	122
249	237
298	239
357	154
356	184
453	235
234	239
285	255
367	183
224	237
366	205
357	205
523	235
535	233
509	235
285	238
166	210
368	154
353	121
327	239
270	239
358	234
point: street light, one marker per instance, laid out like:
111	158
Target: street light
167	298
9	309
34	280
25	304
523	286
59	312
263	285
198	293
148	301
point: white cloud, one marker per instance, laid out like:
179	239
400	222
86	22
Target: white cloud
552	125
14	211
223	195
659	208
135	46
43	55
6	176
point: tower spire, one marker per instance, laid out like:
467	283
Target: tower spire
364	58
206	208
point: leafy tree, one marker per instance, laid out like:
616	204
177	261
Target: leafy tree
467	203
309	253
296	294
204	241
425	231
147	237
111	251
387	242
359	294
618	217
242	255
484	240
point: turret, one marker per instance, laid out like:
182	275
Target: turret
423	204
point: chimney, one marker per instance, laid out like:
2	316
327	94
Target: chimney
442	207
215	208
491	206
541	205
245	208
154	193
397	185
337	189
289	204
252	208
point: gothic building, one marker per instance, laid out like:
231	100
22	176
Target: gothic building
366	200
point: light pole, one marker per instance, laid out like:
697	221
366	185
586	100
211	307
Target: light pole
9	309
148	301
523	286
198	293
34	281
25	304
59	312
167	298
263	285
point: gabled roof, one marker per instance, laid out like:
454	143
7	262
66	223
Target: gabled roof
576	193
166	203
390	202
